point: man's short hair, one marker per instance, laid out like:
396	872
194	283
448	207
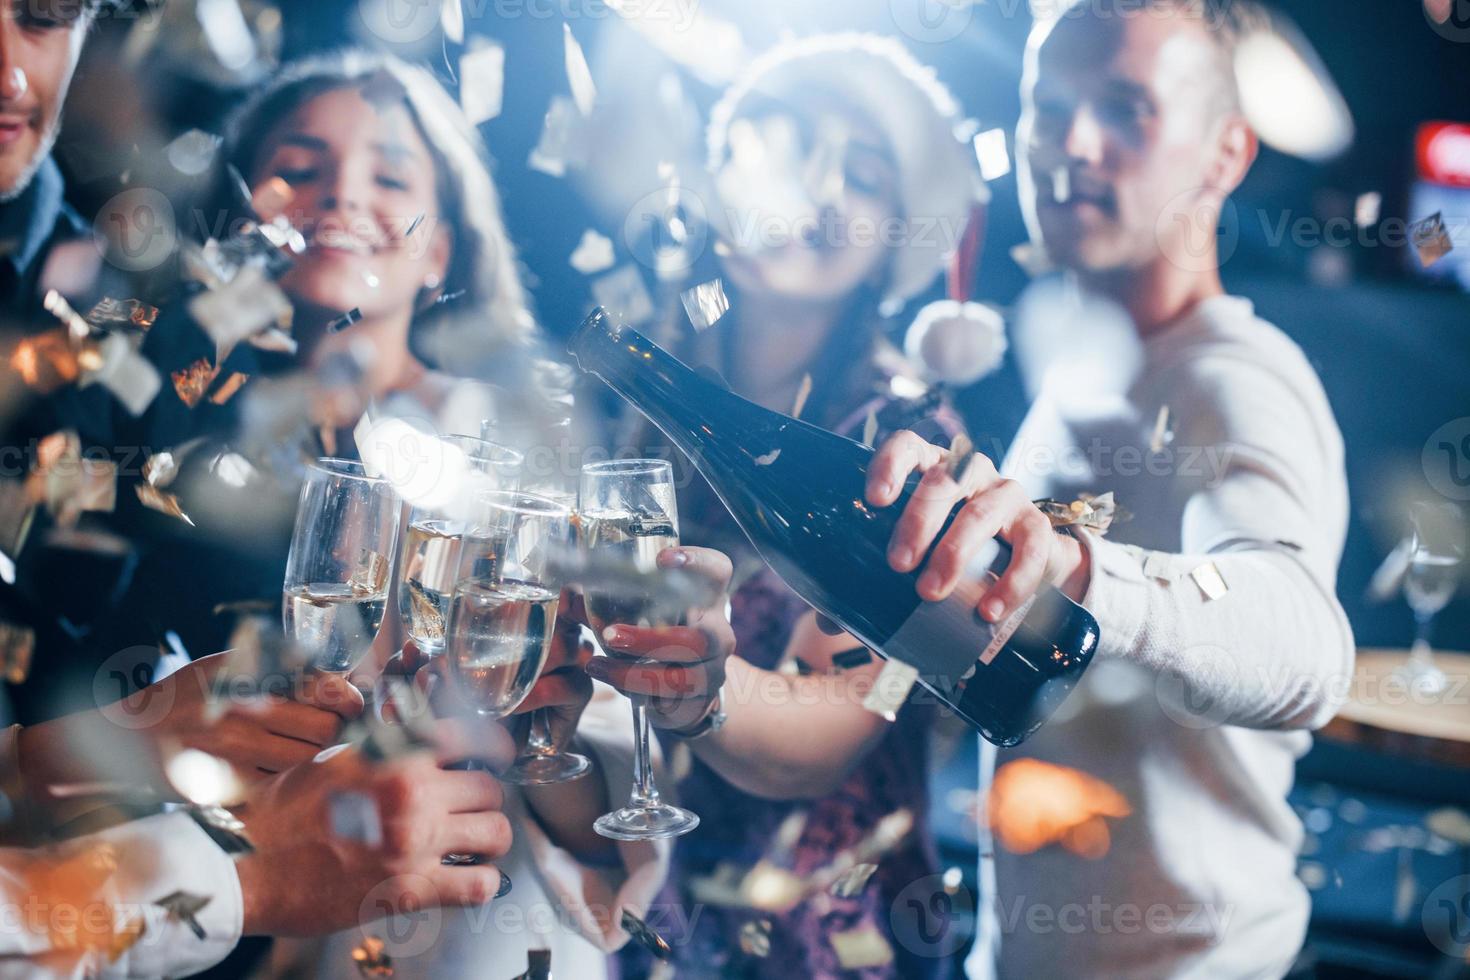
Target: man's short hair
1225	22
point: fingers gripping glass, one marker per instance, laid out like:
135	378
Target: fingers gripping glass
627	507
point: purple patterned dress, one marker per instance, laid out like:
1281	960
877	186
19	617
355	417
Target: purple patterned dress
738	829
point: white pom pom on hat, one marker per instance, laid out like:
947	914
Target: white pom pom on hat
956	343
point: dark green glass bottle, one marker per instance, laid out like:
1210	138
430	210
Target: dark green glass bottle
797	491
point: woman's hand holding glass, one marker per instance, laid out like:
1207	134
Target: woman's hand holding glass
678	669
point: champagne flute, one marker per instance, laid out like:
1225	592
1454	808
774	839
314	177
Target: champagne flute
337	571
1436	551
429	558
502	616
627	507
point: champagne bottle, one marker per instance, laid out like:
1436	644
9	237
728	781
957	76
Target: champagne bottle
797	491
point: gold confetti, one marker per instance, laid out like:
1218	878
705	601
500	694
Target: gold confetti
190	383
870	429
862	948
770	888
228	388
370	573
1450	823
1162	434
755	938
853	880
959	457
1430	238
17	645
1033	804
1095	513
126	938
891	689
270	198
1209	580
645	936
165	503
122	312
46	361
372	959
803	392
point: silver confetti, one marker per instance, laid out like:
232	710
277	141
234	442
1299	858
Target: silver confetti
705	304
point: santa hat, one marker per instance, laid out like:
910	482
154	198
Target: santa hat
938	181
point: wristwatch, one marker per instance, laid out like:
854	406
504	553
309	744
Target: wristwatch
712	720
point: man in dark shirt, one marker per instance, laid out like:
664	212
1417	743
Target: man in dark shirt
59	587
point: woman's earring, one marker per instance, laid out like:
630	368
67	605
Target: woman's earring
431	281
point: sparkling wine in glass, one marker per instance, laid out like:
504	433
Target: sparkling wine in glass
1436	554
429	558
502	617
628	508
336	582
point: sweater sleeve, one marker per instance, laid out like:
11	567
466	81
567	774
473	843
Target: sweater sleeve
1241	626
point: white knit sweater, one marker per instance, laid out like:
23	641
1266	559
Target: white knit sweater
1196	708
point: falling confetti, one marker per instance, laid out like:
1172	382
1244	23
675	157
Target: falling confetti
190	383
705	304
579	76
1163	435
227	388
645	936
482	81
1431	239
355	817
958	459
185	907
562	145
193	152
870	429
755	938
1207	577
17	645
593	254
853	881
803	392
451	19
861	948
891	689
1033	804
623	294
372	959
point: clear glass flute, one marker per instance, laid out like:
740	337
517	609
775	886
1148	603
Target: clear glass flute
429	558
1436	552
502	617
628	507
337	571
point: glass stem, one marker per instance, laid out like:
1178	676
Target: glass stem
538	741
1421	652
645	794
